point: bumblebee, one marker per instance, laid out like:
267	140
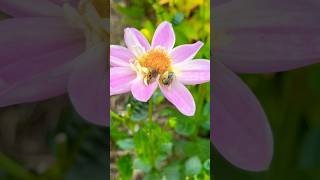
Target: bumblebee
167	78
151	76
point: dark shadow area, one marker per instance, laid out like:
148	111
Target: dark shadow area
53	89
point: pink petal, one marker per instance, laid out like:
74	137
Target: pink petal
121	79
220	2
134	39
143	41
185	52
30	8
142	92
240	129
270	12
114	62
271	50
193	72
61	2
38	87
276	36
119	55
164	36
87	85
30	46
180	97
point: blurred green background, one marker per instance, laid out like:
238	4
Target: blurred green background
48	140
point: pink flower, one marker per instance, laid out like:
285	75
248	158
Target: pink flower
49	48
141	67
255	36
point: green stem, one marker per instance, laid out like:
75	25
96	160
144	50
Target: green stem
202	93
150	110
116	116
199	111
151	135
14	169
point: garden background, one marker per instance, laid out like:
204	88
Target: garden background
173	145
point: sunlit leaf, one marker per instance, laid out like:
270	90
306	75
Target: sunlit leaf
142	165
172	172
126	144
125	168
185	126
206	165
193	166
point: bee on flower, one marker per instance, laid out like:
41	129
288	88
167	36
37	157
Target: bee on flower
141	68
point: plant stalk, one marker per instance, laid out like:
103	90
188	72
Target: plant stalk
150	110
14	169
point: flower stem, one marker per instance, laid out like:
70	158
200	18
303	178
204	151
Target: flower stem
201	97
14	169
150	110
116	116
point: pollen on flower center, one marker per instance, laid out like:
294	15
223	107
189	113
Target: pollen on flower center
156	59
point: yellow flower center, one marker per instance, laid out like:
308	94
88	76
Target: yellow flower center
156	59
156	63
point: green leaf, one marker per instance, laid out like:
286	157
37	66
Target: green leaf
126	144
167	147
178	18
206	165
172	122
151	141
142	165
157	97
205	122
200	147
124	165
132	11
138	110
115	133
185	126
310	157
172	172
193	166
159	161
153	176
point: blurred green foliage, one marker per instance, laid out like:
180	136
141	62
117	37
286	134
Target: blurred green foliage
173	145
79	151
